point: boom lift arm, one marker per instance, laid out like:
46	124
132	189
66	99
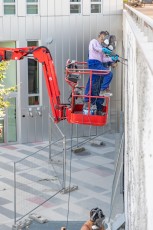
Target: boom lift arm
72	112
42	55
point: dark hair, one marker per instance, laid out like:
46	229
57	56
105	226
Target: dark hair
103	32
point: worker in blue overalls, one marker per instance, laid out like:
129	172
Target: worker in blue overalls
100	83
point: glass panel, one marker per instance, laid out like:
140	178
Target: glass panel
11	134
95	8
75	9
9	9
32	43
1	130
8	1
33	80
34	100
32	9
32	0
95	0
11	76
75	0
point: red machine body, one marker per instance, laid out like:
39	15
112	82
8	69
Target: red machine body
72	112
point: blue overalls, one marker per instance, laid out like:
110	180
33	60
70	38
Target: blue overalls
99	82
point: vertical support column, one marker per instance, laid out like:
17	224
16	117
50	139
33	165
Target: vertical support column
14	193
64	162
50	135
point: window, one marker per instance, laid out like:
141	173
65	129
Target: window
1	130
95	6
33	78
75	6
32	6
9	7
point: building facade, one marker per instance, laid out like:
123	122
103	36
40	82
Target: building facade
65	27
138	84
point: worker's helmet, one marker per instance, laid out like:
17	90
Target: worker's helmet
97	217
110	42
96	213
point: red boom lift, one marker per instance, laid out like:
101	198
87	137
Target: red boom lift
72	112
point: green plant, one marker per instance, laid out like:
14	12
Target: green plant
4	103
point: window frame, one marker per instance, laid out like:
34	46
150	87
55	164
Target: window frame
30	95
96	3
76	3
32	4
9	4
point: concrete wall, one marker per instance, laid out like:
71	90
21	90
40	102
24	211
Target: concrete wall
138	107
71	35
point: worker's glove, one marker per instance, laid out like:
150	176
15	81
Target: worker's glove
115	58
106	51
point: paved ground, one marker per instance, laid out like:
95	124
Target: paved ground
92	171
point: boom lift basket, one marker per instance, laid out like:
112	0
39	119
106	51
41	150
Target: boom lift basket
75	71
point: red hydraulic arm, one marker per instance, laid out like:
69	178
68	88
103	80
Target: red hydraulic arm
42	55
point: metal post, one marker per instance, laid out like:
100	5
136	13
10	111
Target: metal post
64	163
14	193
50	135
77	134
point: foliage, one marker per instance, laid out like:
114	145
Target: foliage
4	103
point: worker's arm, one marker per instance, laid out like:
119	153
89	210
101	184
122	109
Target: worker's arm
85	227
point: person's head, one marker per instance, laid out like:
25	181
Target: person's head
97	217
102	35
109	42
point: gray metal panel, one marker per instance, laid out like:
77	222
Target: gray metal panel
112	7
64	54
86	34
72	33
14	28
86	7
22	31
9	28
31	129
33	27
79	39
43	7
66	7
1	29
23	126
39	128
58	51
51	7
59	5
1	8
21	7
22	69
45	111
44	30
51	30
6	31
